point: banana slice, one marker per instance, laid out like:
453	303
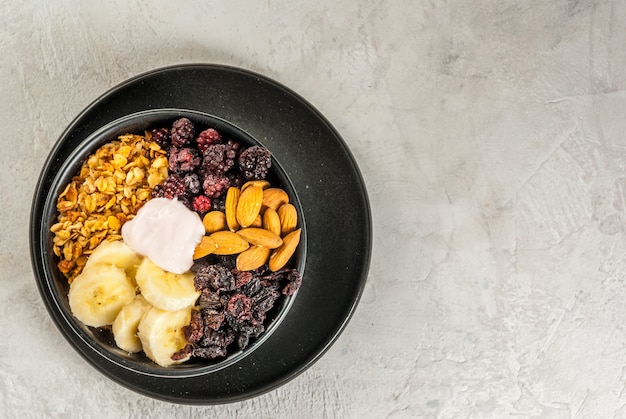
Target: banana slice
127	322
98	294
116	253
161	334
166	290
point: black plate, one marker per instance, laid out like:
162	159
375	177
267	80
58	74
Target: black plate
331	191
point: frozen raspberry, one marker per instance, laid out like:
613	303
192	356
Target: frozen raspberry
207	138
192	184
255	162
201	204
174	187
215	186
183	132
161	136
183	159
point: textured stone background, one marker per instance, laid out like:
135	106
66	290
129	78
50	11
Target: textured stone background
491	137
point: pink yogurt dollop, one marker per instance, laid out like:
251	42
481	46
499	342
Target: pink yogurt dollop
165	231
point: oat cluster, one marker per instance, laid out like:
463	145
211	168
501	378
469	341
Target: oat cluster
111	186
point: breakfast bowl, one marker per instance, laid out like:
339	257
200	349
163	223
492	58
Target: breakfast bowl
309	161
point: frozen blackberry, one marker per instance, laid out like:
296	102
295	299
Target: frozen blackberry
174	187
184	159
236	179
219	203
161	136
255	162
233	148
215	186
208	137
157	192
215	159
201	204
192	183
182	133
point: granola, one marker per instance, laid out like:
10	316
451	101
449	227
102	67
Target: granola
113	183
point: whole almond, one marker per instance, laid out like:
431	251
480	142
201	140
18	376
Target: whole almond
274	197
249	205
228	243
214	221
206	246
271	221
260	237
288	218
281	255
230	208
253	258
258	222
261	183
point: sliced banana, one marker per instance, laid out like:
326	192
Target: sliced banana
166	290
161	334
98	294
116	253
127	322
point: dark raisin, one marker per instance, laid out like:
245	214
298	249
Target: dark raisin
208	299
184	353
243	278
240	307
264	300
217	277
213	319
195	330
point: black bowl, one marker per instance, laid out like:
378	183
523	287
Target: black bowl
311	162
100	340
